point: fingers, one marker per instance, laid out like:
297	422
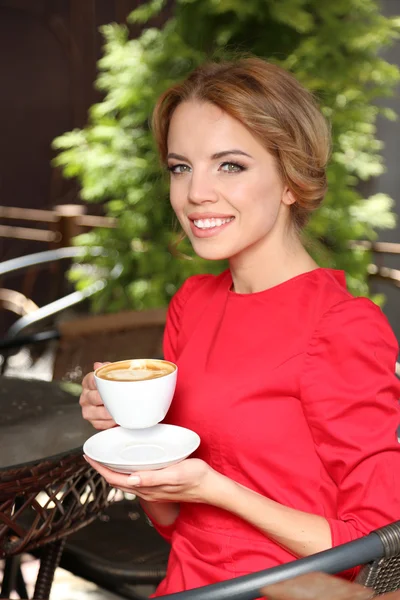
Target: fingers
95	413
90	398
122	482
93	409
118	480
151	479
88	381
97	365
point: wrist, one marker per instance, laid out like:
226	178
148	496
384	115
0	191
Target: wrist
161	513
219	489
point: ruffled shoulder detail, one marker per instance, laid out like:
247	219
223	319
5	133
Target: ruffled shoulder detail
198	288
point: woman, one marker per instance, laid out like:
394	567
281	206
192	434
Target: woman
287	378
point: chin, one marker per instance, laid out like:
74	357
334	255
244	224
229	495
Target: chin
211	253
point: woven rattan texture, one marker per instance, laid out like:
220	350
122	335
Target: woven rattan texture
382	575
47	501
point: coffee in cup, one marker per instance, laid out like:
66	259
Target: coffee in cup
137	393
136	370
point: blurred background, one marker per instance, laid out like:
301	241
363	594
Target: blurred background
89	250
79	80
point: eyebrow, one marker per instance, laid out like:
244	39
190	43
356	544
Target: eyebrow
214	156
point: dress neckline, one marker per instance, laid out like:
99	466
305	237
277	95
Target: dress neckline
338	275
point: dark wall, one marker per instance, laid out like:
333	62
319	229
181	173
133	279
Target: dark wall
48	55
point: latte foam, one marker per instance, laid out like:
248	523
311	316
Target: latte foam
136	370
134	374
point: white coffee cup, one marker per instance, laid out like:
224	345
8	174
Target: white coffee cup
137	393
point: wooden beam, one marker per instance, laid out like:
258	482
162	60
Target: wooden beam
28	214
27	233
93	221
122	321
380	247
385	274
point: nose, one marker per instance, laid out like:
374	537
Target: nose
202	188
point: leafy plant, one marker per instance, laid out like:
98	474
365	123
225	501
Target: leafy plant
333	48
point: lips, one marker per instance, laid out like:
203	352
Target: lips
209	226
210	215
210	223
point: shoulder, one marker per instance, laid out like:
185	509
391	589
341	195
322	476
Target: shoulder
198	283
189	302
324	289
195	290
330	301
354	326
335	316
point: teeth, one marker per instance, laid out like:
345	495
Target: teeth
209	223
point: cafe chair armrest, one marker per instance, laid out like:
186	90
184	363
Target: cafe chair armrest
379	552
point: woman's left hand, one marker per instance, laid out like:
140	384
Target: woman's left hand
191	480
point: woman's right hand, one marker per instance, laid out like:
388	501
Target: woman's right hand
93	409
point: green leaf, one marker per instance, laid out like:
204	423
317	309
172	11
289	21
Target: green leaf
144	13
335	49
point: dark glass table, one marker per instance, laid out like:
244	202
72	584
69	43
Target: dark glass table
47	489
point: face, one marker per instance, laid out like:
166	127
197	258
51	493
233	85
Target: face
225	188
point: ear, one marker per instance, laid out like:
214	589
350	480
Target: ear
288	197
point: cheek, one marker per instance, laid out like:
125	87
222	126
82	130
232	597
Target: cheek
178	190
256	200
176	196
270	195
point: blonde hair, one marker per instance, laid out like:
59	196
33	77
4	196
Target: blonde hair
275	108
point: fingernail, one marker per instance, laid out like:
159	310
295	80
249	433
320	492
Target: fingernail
134	480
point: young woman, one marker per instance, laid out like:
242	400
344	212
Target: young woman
287	378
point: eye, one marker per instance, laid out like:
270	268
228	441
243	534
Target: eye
179	169
231	167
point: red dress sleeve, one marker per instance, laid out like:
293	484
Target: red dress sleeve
165	531
174	316
350	396
170	341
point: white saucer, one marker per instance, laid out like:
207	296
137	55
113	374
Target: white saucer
127	450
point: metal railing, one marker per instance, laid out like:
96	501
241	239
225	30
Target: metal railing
67	221
57	227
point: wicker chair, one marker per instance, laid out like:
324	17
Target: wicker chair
383	574
379	552
118	551
121	551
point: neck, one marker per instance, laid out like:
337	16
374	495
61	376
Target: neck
273	261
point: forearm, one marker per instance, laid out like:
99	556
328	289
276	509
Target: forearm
299	532
162	513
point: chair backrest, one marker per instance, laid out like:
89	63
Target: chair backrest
16	302
110	337
383	574
380	545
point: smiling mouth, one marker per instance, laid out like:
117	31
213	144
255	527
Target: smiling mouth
211	223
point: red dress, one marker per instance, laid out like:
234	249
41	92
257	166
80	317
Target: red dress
293	393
